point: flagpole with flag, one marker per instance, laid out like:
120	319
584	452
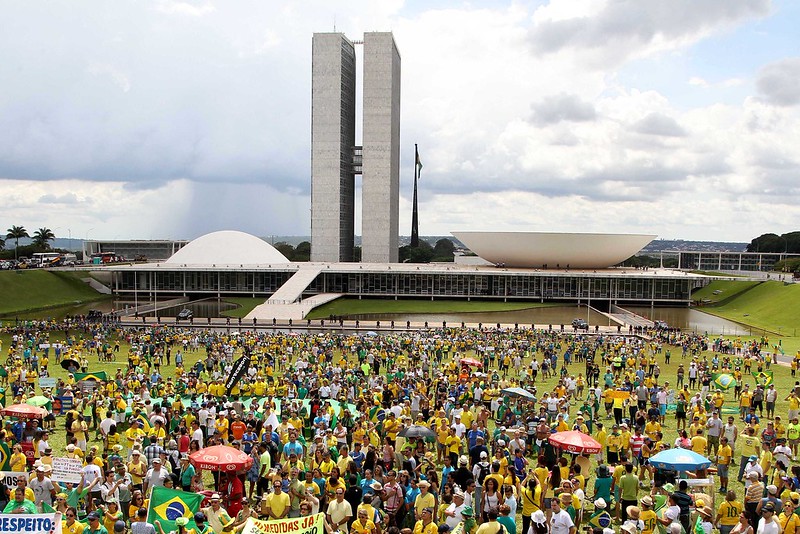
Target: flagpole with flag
414	212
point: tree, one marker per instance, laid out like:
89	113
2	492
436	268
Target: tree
2	243
419	254
443	250
302	251
789	242
15	233
42	238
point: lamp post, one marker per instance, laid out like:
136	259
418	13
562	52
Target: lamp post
86	244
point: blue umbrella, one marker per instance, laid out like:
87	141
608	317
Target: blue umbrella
679	460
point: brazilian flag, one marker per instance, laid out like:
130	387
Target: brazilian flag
167	505
764	378
5	456
99	376
601	520
723	380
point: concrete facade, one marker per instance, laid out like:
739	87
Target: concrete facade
381	149
333	136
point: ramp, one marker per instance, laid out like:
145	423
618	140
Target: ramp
628	318
283	311
292	290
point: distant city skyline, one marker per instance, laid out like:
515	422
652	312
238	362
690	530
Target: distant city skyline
172	119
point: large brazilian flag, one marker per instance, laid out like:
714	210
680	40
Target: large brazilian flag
167	505
764	378
723	380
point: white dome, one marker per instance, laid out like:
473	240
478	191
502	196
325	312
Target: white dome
227	247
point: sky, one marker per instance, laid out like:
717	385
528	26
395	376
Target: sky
171	119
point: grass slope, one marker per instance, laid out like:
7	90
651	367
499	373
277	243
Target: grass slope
727	290
770	305
351	307
38	289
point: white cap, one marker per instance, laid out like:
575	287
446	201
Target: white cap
483	454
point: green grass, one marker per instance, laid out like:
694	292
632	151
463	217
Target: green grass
245	305
771	306
28	290
727	290
346	307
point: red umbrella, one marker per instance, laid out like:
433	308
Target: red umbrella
471	361
574	441
221	458
24	411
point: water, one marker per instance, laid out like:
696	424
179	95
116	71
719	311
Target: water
203	308
694	320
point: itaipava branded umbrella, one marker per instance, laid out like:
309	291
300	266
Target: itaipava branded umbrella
679	460
220	458
574	441
24	411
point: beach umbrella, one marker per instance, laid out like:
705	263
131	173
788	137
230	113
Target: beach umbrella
471	361
679	460
518	392
39	400
70	365
24	411
417	431
221	458
574	441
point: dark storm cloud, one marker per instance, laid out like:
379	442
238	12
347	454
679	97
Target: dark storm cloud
659	124
626	26
563	107
779	83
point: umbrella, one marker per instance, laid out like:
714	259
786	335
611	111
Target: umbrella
39	400
574	441
417	431
24	411
518	392
221	458
679	460
70	365
471	361
372	333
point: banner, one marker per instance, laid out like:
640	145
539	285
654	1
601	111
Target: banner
238	370
723	380
47	382
620	394
764	378
99	376
312	524
9	478
167	505
30	523
67	470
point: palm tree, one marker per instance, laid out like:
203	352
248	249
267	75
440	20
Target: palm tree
15	232
42	237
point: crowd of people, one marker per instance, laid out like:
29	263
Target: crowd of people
403	431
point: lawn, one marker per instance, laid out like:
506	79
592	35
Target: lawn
353	307
37	289
245	305
772	306
720	290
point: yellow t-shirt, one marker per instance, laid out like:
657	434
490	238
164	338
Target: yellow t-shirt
76	528
729	512
650	520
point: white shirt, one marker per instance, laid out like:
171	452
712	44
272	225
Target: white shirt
560	523
455	520
773	527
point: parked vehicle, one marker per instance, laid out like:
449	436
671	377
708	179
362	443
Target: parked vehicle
185	314
580	324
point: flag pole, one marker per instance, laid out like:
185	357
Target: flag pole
414	213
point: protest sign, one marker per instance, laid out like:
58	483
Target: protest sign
67	470
30	523
312	524
47	382
9	478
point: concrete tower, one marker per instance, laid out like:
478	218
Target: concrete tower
381	149
333	137
336	159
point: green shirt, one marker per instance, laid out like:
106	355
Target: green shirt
629	487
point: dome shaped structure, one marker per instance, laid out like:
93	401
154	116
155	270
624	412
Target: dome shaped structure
537	249
227	247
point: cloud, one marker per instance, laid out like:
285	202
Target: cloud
613	31
562	107
659	124
66	198
779	83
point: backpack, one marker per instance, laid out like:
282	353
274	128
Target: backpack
483	471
